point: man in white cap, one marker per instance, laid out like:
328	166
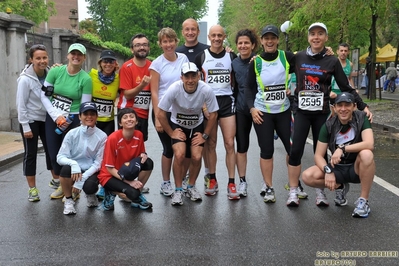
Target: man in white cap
350	139
186	98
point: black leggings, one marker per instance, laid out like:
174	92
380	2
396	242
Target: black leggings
90	186
302	123
30	146
243	129
282	124
165	138
117	185
107	127
54	140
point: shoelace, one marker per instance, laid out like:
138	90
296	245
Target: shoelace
360	204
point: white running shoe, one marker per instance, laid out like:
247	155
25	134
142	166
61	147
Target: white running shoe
166	189
177	198
69	207
321	198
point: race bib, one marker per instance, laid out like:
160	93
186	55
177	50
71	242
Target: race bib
105	108
310	100
274	95
61	103
218	76
142	100
187	120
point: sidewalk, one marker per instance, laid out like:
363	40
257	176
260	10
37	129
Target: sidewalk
11	147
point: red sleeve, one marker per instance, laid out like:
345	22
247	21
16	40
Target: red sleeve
125	78
109	152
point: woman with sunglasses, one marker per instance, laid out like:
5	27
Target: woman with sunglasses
65	88
105	89
32	114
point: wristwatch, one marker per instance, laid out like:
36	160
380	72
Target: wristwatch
342	147
205	136
327	169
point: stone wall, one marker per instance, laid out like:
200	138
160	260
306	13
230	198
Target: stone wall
15	41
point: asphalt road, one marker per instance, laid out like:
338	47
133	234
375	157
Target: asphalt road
216	231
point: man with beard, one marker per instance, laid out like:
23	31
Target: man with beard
134	88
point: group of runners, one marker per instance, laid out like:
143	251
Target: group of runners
196	88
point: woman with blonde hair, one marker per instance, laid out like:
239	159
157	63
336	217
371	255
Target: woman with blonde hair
165	70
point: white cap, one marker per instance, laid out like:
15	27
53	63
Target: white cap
318	24
188	67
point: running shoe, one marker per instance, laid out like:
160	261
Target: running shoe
108	202
232	193
212	187
293	200
185	183
269	195
141	203
33	194
177	198
362	209
193	194
263	189
92	200
321	198
75	197
100	193
299	190
166	189
57	194
69	207
207	178
145	190
242	189
54	184
340	195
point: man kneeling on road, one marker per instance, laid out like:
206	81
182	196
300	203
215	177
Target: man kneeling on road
186	98
350	139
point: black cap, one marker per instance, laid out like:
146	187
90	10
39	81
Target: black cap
345	97
86	106
130	170
270	29
108	54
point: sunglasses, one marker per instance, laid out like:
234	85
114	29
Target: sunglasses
108	60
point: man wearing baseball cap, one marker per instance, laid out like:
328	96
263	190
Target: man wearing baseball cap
186	98
80	158
349	137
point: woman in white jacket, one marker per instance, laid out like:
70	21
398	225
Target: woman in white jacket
32	114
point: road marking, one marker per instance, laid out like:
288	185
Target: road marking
378	180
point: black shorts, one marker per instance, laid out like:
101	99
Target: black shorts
345	173
142	125
189	135
227	106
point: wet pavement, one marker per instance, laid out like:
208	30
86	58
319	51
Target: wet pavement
216	231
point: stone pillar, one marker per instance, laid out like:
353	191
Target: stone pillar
12	49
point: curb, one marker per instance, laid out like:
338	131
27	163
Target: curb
383	127
13	157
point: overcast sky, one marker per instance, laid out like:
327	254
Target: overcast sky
211	17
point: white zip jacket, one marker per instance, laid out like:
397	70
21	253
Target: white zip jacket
82	149
29	105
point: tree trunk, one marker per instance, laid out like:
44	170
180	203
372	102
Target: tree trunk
373	38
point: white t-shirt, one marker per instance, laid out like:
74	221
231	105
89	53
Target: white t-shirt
187	107
168	71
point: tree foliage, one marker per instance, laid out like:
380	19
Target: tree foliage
119	20
88	25
34	10
364	24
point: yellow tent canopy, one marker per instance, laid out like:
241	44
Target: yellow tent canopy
384	54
